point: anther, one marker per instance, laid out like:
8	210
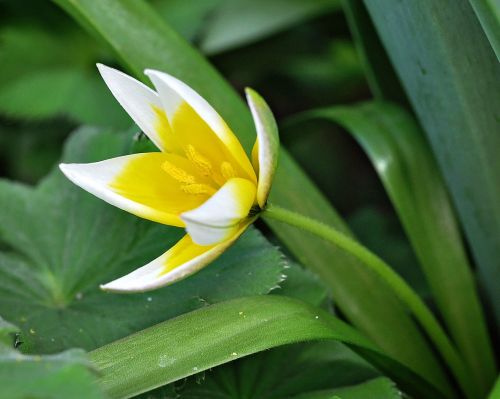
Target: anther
198	188
202	163
177	173
227	170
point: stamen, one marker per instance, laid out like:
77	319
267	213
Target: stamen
202	163
198	188
227	170
177	173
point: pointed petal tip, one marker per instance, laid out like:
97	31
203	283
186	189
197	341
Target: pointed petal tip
154	73
104	69
63	167
149	71
113	288
118	287
252	96
159	76
67	169
249	91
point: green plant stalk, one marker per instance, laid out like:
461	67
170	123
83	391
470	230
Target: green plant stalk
399	153
403	291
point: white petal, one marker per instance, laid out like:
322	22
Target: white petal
137	99
220	216
173	92
167	268
266	146
137	184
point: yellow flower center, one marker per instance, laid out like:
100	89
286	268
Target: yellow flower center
204	167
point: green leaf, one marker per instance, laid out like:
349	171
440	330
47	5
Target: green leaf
188	18
65	242
379	72
238	22
384	236
277	373
7	331
495	392
450	73
283	371
380	388
142	40
224	332
405	164
488	12
65	374
47	74
302	284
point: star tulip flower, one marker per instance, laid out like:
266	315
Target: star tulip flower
201	179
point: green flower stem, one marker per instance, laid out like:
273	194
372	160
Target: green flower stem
404	292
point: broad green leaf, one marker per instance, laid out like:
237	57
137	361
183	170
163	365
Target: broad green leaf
224	332
281	372
379	388
142	40
450	73
63	375
405	164
488	12
238	22
65	242
302	284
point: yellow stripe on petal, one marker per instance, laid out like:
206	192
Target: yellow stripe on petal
219	217
163	131
182	260
255	156
194	122
142	184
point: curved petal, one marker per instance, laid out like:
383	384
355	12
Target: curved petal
267	145
195	122
180	261
140	102
154	186
220	216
